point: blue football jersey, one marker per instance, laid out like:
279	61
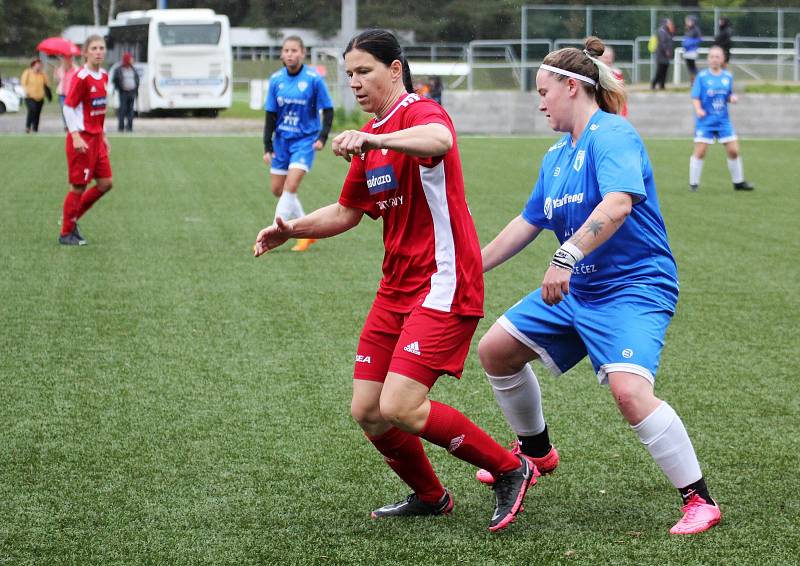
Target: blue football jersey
609	157
713	91
297	100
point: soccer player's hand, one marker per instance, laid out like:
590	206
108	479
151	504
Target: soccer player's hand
354	142
701	113
555	285
318	145
268	158
272	236
108	143
733	99
79	143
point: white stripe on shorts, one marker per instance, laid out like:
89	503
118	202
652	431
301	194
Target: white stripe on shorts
602	375
548	362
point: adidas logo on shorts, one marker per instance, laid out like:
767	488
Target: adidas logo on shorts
413	348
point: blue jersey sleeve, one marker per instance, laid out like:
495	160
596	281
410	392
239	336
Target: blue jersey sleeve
618	163
323	97
271	104
534	211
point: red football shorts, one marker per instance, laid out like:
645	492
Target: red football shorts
421	345
92	164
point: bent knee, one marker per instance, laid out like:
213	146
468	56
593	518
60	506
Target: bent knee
104	186
365	415
397	413
500	354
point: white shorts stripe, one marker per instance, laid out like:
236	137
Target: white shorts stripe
548	362
602	375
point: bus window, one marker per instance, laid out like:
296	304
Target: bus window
189	34
131	39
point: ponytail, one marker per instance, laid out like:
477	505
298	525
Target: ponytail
408	81
608	92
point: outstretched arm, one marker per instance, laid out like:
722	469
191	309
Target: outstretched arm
428	140
322	223
509	242
602	223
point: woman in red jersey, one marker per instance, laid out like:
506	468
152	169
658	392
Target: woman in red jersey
86	144
405	168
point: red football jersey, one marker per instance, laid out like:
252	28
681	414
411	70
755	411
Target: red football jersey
87	94
432	257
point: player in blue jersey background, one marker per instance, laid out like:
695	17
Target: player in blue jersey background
295	97
711	92
611	288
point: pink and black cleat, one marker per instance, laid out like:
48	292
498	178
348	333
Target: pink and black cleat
509	491
698	516
544	465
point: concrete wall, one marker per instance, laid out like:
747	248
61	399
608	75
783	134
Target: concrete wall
653	114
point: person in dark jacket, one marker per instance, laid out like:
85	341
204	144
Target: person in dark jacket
126	82
723	38
664	52
692	37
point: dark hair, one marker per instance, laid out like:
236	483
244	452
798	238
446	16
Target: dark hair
296	38
37	60
608	91
383	45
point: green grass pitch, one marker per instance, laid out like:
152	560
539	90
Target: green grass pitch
167	399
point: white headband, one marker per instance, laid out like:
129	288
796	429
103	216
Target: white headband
568	74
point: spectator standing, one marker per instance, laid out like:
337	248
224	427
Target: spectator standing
34	83
64	74
608	57
126	82
435	88
692	37
664	52
723	38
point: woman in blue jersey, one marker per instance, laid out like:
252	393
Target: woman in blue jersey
711	92
611	288
295	97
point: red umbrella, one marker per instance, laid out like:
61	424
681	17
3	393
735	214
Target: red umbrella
58	46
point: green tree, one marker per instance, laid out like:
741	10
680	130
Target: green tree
24	24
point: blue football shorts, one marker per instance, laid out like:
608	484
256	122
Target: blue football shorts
624	332
723	132
292	153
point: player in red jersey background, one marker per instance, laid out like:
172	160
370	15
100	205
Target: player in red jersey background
405	168
86	143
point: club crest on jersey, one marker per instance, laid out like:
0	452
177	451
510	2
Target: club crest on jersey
381	179
579	160
302	85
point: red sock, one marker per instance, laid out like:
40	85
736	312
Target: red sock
71	204
89	197
404	453
465	440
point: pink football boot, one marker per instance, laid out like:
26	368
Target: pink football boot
698	516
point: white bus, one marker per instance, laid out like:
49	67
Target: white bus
183	58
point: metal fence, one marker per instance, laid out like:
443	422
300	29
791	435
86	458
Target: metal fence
778	26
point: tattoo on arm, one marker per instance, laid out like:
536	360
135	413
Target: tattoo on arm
595	227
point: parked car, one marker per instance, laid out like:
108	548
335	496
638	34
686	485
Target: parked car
10	97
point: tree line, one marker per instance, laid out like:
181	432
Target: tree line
24	23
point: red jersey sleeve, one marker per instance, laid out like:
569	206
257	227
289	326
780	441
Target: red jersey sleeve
425	112
77	88
355	193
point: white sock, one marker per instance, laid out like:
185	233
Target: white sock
286	205
695	170
665	437
298	207
736	168
520	399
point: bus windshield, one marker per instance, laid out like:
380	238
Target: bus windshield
189	34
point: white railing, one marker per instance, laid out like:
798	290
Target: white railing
782	57
502	49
